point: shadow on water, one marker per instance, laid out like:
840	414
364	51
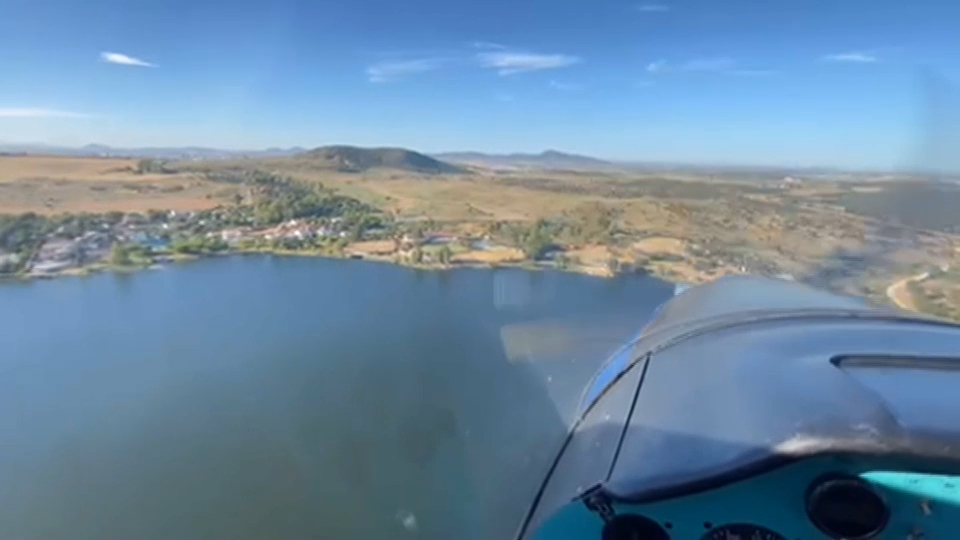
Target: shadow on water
453	444
233	399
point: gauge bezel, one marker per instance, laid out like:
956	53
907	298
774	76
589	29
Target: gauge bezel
709	535
824	483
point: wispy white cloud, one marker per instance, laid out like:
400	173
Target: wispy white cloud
656	66
565	86
722	65
859	57
707	64
124	60
504	59
35	112
488	45
388	71
508	62
753	72
653	8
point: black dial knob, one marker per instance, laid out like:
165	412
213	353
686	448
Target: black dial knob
633	527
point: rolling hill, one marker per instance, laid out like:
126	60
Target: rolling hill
356	159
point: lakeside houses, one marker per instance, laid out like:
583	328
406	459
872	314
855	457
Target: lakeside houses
58	254
292	229
439	238
235	235
295	229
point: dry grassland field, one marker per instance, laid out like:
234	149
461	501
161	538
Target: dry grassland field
55	184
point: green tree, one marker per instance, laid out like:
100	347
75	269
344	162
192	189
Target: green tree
156	216
114	217
9	264
213	244
536	241
356	231
145	166
24	233
340	246
120	255
416	231
445	255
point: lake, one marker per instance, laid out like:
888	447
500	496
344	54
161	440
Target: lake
265	397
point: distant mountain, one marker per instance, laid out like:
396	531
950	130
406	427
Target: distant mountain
356	159
341	157
187	152
549	159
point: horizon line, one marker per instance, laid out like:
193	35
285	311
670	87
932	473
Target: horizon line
37	148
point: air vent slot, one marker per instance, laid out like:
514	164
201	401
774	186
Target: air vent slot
846	508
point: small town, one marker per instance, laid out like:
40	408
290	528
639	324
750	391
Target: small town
130	240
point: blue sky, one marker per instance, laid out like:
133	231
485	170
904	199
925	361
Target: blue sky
803	82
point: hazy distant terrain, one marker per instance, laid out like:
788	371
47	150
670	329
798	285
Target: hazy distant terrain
186	152
855	233
549	159
925	205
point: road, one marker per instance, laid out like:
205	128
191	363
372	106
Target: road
900	294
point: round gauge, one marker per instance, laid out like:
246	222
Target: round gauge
741	531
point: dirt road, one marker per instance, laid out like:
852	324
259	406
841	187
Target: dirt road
900	294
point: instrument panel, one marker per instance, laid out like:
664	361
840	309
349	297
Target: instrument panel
740	531
819	498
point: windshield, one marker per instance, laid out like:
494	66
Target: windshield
352	269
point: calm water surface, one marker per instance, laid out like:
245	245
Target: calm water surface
272	398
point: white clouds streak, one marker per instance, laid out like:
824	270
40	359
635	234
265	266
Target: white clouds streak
565	86
488	45
707	64
124	60
696	65
856	57
511	62
656	66
34	112
720	65
502	59
389	71
653	8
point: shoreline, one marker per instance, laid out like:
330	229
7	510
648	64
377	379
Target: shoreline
102	267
